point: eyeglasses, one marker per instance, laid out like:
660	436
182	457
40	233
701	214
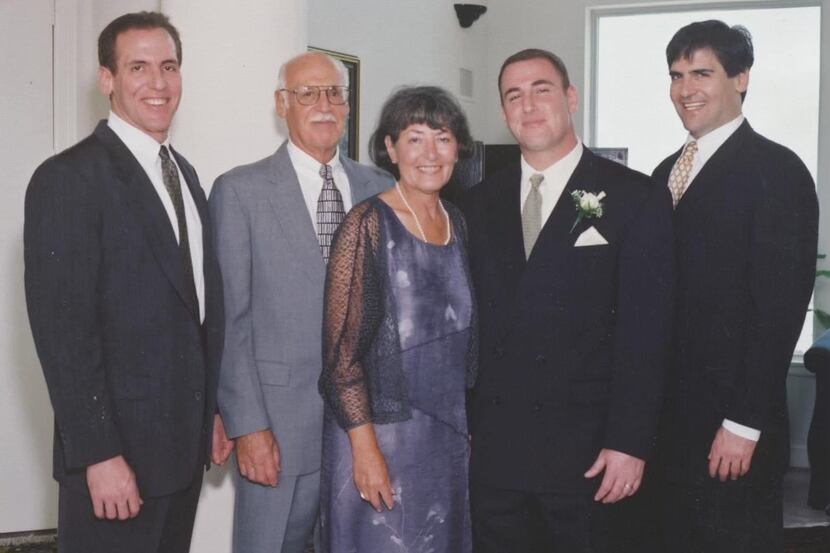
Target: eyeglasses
308	95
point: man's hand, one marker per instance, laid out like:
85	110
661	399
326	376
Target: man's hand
258	456
730	455
623	475
222	446
113	489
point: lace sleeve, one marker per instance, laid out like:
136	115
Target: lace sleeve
351	314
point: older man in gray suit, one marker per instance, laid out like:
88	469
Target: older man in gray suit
274	221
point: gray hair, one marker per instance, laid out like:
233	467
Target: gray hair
342	72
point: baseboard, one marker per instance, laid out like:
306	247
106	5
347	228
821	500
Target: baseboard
28	537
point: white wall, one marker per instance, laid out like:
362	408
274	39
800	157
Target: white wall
403	42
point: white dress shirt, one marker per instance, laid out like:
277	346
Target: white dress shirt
145	149
707	145
311	183
556	178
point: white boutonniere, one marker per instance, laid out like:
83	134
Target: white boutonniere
588	205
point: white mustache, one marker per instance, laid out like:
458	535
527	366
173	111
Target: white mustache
324	118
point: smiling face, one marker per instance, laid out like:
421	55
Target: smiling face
704	96
538	108
425	157
146	88
315	129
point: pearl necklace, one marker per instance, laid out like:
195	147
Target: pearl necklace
418	223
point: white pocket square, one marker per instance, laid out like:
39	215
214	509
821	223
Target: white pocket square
590	237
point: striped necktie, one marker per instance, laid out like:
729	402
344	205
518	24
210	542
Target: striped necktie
330	212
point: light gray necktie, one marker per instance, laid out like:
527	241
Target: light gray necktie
532	214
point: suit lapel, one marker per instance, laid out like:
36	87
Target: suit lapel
198	195
506	229
288	203
357	184
149	210
556	237
716	170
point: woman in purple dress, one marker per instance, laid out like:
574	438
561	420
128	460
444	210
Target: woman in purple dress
399	346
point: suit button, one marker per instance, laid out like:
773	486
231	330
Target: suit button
541	359
495	401
491	304
537	407
498	352
198	396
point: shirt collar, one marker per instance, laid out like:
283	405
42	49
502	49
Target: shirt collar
560	170
144	147
305	162
709	143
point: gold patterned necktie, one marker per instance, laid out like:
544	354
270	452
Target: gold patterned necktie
170	176
679	177
330	212
532	214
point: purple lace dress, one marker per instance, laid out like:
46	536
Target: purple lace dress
397	348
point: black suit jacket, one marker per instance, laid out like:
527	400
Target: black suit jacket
745	241
573	340
129	367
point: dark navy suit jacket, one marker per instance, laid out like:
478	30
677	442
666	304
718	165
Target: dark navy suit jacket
574	340
129	367
745	240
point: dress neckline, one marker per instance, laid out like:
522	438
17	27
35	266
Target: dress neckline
417	239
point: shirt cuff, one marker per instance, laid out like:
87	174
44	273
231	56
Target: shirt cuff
741	430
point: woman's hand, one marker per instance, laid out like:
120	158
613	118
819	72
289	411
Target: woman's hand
370	474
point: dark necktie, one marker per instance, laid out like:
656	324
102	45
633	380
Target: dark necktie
330	212
171	182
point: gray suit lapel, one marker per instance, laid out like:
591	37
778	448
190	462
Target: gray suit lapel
358	183
288	203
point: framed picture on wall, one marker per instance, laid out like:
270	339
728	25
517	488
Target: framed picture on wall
350	143
620	155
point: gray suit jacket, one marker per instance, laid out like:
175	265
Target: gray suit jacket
274	277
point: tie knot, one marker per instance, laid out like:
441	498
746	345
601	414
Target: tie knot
536	180
691	149
325	171
164	153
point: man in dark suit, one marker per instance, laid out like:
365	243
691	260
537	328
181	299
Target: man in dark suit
745	227
572	263
125	304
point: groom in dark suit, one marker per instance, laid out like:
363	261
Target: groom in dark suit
745	223
572	261
125	303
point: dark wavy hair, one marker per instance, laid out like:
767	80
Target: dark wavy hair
127	22
428	105
731	45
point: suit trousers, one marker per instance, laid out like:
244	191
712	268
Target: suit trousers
507	521
710	516
163	525
275	520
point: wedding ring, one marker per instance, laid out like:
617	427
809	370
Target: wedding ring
363	497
